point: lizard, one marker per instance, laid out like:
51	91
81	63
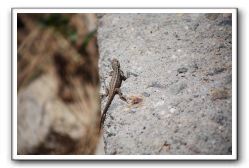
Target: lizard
114	87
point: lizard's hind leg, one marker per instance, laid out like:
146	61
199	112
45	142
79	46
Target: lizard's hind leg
122	97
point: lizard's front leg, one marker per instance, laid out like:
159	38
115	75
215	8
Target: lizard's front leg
123	77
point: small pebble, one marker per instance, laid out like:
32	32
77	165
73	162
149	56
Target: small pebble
182	70
172	110
133	110
156	85
146	94
219	94
195	26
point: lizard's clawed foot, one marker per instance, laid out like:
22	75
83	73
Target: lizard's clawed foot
122	97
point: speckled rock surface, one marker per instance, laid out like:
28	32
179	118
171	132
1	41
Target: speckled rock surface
180	66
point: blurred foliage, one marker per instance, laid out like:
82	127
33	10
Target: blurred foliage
61	23
57	55
41	35
86	40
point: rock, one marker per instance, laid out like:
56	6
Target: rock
212	16
179	113
216	71
172	110
156	85
225	22
146	94
133	110
182	70
46	125
219	70
219	93
194	26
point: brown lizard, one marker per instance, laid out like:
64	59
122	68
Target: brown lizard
114	87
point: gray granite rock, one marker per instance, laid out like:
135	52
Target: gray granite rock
188	110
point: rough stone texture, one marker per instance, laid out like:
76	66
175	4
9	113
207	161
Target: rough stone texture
180	66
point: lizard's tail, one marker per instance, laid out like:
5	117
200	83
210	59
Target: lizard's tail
104	112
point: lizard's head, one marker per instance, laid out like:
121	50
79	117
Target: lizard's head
115	64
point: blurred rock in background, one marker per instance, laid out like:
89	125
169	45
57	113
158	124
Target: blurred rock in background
58	106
